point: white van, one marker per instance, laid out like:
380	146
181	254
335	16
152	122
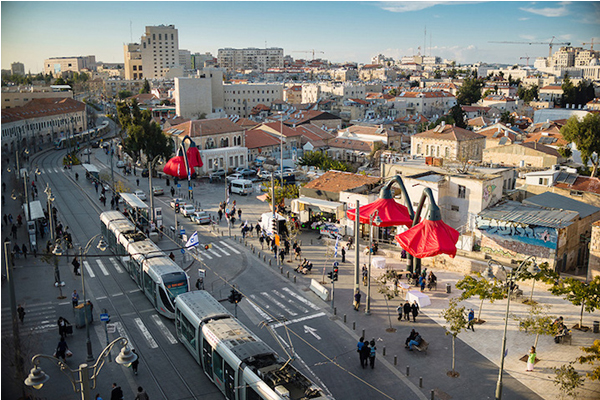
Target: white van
241	186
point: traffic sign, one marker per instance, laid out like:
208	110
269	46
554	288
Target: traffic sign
111	328
182	231
178	185
104	317
182	251
189	188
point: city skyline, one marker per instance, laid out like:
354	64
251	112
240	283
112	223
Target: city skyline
344	31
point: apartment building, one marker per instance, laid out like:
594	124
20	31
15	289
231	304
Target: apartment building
241	98
160	50
133	61
17	68
185	59
250	58
200	95
56	66
20	95
112	87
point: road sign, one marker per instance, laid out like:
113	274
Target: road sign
201	273
104	317
178	185
182	251
111	328
182	231
189	188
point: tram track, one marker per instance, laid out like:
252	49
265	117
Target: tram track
49	159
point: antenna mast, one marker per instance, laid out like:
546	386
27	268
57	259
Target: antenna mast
130	32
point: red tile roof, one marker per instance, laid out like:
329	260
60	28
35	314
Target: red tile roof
256	138
479	121
205	127
412	119
39	108
449	132
350	144
287	131
336	181
431	94
582	183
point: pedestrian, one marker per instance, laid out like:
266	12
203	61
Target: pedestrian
531	359
359	347
220	213
343	254
372	353
407	309
134	365
14	231
5	218
76	266
21	312
75	298
24	250
200	284
365	274
399	310
116	393
96	186
282	256
141	394
172	191
422	283
97	397
415	310
240	213
62	326
471	320
365	352
357	297
137	181
61	349
297	252
257	227
172	256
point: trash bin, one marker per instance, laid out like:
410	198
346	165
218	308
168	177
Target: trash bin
80	311
596	326
448	288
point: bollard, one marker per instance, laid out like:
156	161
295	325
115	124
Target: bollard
265	259
363	335
407	370
354	326
281	270
253	251
287	273
234	237
222	233
334	310
420	381
432	394
311	242
384	350
269	262
395	360
344	318
294	279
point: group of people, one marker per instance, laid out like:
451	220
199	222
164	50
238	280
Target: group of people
407	309
305	267
366	352
560	329
413	339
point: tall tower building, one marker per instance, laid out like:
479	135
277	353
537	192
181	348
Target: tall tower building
160	50
17	68
133	61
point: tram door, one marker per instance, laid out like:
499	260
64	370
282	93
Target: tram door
207	357
229	381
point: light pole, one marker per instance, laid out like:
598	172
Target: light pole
151	165
510	278
80	378
374	217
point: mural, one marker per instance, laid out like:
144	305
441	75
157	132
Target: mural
488	193
529	234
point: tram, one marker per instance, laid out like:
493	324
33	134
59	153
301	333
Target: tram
159	277
241	365
81	137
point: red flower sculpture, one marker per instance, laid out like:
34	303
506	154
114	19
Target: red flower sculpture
193	156
390	211
429	238
176	167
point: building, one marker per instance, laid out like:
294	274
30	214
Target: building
530	155
594	260
241	98
160	50
250	58
425	101
17	96
449	142
112	87
133	61
17	68
57	66
261	144
563	181
185	59
41	121
551	93
372	134
499	135
321	119
199	61
201	95
329	185
293	94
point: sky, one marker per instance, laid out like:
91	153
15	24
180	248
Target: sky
342	30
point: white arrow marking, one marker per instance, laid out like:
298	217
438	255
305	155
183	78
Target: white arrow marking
312	331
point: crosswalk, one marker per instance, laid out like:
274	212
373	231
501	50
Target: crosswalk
216	250
282	304
39	318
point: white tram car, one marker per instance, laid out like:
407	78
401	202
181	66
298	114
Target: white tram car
159	277
241	365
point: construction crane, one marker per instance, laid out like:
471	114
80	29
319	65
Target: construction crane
590	43
313	51
525	58
551	43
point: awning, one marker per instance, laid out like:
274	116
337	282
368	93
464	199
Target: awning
304	203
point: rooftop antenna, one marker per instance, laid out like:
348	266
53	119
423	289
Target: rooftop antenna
130	32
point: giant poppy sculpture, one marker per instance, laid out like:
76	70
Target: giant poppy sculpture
182	165
389	210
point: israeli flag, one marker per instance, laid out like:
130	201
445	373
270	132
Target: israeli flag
192	241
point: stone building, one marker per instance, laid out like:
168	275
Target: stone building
449	142
529	154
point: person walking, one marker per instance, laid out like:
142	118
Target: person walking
76	266
415	310
75	298
343	254
137	181
14	231
372	353
24	250
21	312
365	274
141	394
134	365
407	309
240	214
471	320
357	297
359	347
62	326
365	352
61	349
116	393
531	359
399	310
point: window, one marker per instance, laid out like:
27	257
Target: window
454	208
543	181
462	192
218	365
187	330
159	36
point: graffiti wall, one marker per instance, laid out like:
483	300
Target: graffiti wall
527	234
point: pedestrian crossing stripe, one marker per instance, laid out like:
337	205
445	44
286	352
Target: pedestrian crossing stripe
102	268
230	247
146	333
89	269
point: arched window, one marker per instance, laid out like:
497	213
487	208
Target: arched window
438	151
447	152
419	148
427	150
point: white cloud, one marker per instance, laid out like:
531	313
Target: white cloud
524	19
548	11
408	6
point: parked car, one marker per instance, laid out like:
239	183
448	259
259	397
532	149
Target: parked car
105	144
95	144
120	164
247	172
176	204
217	175
264	174
233	177
187	210
140	194
200	217
157	191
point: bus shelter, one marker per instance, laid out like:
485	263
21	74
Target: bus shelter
138	210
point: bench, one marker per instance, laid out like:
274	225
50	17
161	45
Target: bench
564	338
422	347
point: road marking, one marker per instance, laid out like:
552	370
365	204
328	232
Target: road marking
203	254
163	329
220	249
102	268
151	342
230	247
134	290
117	294
214	252
116	265
89	269
300	298
122	332
101	298
56	170
312	331
304	310
293	321
279	304
263	314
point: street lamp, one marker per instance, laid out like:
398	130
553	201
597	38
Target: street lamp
80	378
151	165
373	218
510	278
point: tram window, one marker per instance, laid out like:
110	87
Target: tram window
149	287
218	365
165	299
207	351
187	329
229	381
251	394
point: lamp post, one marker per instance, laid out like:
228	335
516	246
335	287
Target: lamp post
151	165
374	217
80	378
510	278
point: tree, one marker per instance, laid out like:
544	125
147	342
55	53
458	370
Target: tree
565	152
536	322
393	92
322	161
586	136
458	116
528	94
469	92
569	91
123	94
287	192
586	295
567	380
545	274
486	290
593	358
507	118
146	87
457	322
388	293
